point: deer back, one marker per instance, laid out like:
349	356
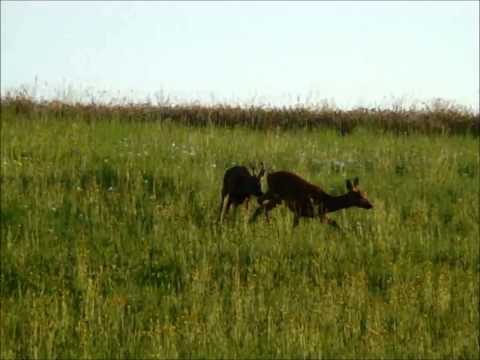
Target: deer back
290	186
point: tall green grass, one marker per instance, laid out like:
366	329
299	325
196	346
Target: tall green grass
110	246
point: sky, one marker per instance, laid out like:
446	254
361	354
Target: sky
349	54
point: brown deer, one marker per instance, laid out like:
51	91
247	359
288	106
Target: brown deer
239	185
303	198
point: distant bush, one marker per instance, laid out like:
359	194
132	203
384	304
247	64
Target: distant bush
441	117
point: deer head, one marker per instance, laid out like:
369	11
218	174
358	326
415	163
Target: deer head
254	184
356	197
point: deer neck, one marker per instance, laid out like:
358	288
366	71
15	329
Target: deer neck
334	203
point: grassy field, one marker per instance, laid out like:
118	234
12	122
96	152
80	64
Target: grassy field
110	246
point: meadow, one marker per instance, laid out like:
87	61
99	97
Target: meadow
110	245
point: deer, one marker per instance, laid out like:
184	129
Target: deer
239	185
305	199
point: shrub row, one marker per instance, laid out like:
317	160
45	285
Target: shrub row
446	120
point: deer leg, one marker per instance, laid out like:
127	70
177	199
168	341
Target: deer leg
295	220
296	209
330	222
222	205
269	206
235	209
247	208
229	203
256	213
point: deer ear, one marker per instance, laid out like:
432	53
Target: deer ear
261	172
355	182
349	185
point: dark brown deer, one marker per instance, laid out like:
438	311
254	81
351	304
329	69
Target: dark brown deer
307	200
239	185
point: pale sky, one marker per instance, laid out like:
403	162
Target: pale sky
352	53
